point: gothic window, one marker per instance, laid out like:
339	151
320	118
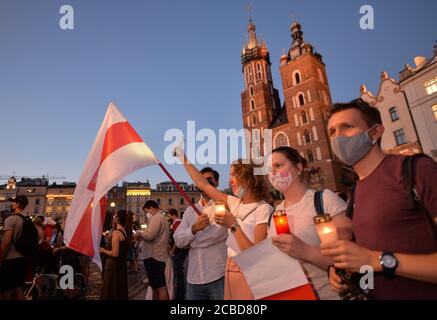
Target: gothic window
301	100
252	104
251	91
307	136
304	117
254	120
310	156
297	78
281	140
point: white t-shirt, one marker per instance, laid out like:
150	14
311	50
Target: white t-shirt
250	214
300	218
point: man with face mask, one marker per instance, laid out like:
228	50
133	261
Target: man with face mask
207	241
391	237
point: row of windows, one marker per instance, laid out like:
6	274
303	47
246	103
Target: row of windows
59	203
282	140
170	201
394	116
259	73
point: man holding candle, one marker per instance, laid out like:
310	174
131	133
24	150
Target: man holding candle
392	236
207	255
157	234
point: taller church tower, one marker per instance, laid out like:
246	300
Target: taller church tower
259	100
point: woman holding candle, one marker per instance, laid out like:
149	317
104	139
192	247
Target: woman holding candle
115	286
287	175
246	219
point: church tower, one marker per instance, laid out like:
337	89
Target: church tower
307	99
259	100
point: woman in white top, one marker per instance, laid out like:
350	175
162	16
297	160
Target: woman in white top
288	176
246	219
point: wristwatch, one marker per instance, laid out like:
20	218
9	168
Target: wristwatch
389	264
234	227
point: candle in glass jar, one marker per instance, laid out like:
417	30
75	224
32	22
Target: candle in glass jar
220	209
326	228
281	222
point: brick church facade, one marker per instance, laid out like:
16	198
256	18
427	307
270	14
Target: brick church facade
300	122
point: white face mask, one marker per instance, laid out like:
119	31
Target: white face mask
240	192
281	182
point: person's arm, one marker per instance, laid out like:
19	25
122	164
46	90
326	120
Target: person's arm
186	231
153	228
6	242
228	220
115	246
201	182
344	226
351	257
300	250
244	242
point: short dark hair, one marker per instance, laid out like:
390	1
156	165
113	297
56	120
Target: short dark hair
370	115
150	204
173	212
215	173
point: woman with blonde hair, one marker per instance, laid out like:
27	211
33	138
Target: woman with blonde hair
246	218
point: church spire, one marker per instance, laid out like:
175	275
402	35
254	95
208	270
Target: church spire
253	49
298	46
253	41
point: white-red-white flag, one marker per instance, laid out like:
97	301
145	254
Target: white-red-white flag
117	151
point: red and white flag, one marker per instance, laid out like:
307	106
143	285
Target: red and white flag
117	151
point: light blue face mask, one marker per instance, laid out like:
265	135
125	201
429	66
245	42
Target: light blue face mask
350	150
240	192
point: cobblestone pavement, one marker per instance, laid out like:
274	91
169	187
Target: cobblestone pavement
137	289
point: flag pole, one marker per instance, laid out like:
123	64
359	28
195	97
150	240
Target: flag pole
181	191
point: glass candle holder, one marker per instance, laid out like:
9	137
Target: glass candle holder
281	222
220	209
326	228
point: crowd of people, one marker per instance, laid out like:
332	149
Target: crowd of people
31	247
388	223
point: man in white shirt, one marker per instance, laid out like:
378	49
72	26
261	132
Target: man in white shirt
207	241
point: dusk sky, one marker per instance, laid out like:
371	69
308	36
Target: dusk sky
166	62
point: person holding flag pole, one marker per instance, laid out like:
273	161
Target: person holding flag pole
117	151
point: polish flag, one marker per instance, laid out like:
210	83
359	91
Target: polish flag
117	151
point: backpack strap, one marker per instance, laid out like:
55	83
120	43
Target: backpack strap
270	218
318	203
413	196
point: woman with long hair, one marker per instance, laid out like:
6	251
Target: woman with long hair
288	176
115	273
246	218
